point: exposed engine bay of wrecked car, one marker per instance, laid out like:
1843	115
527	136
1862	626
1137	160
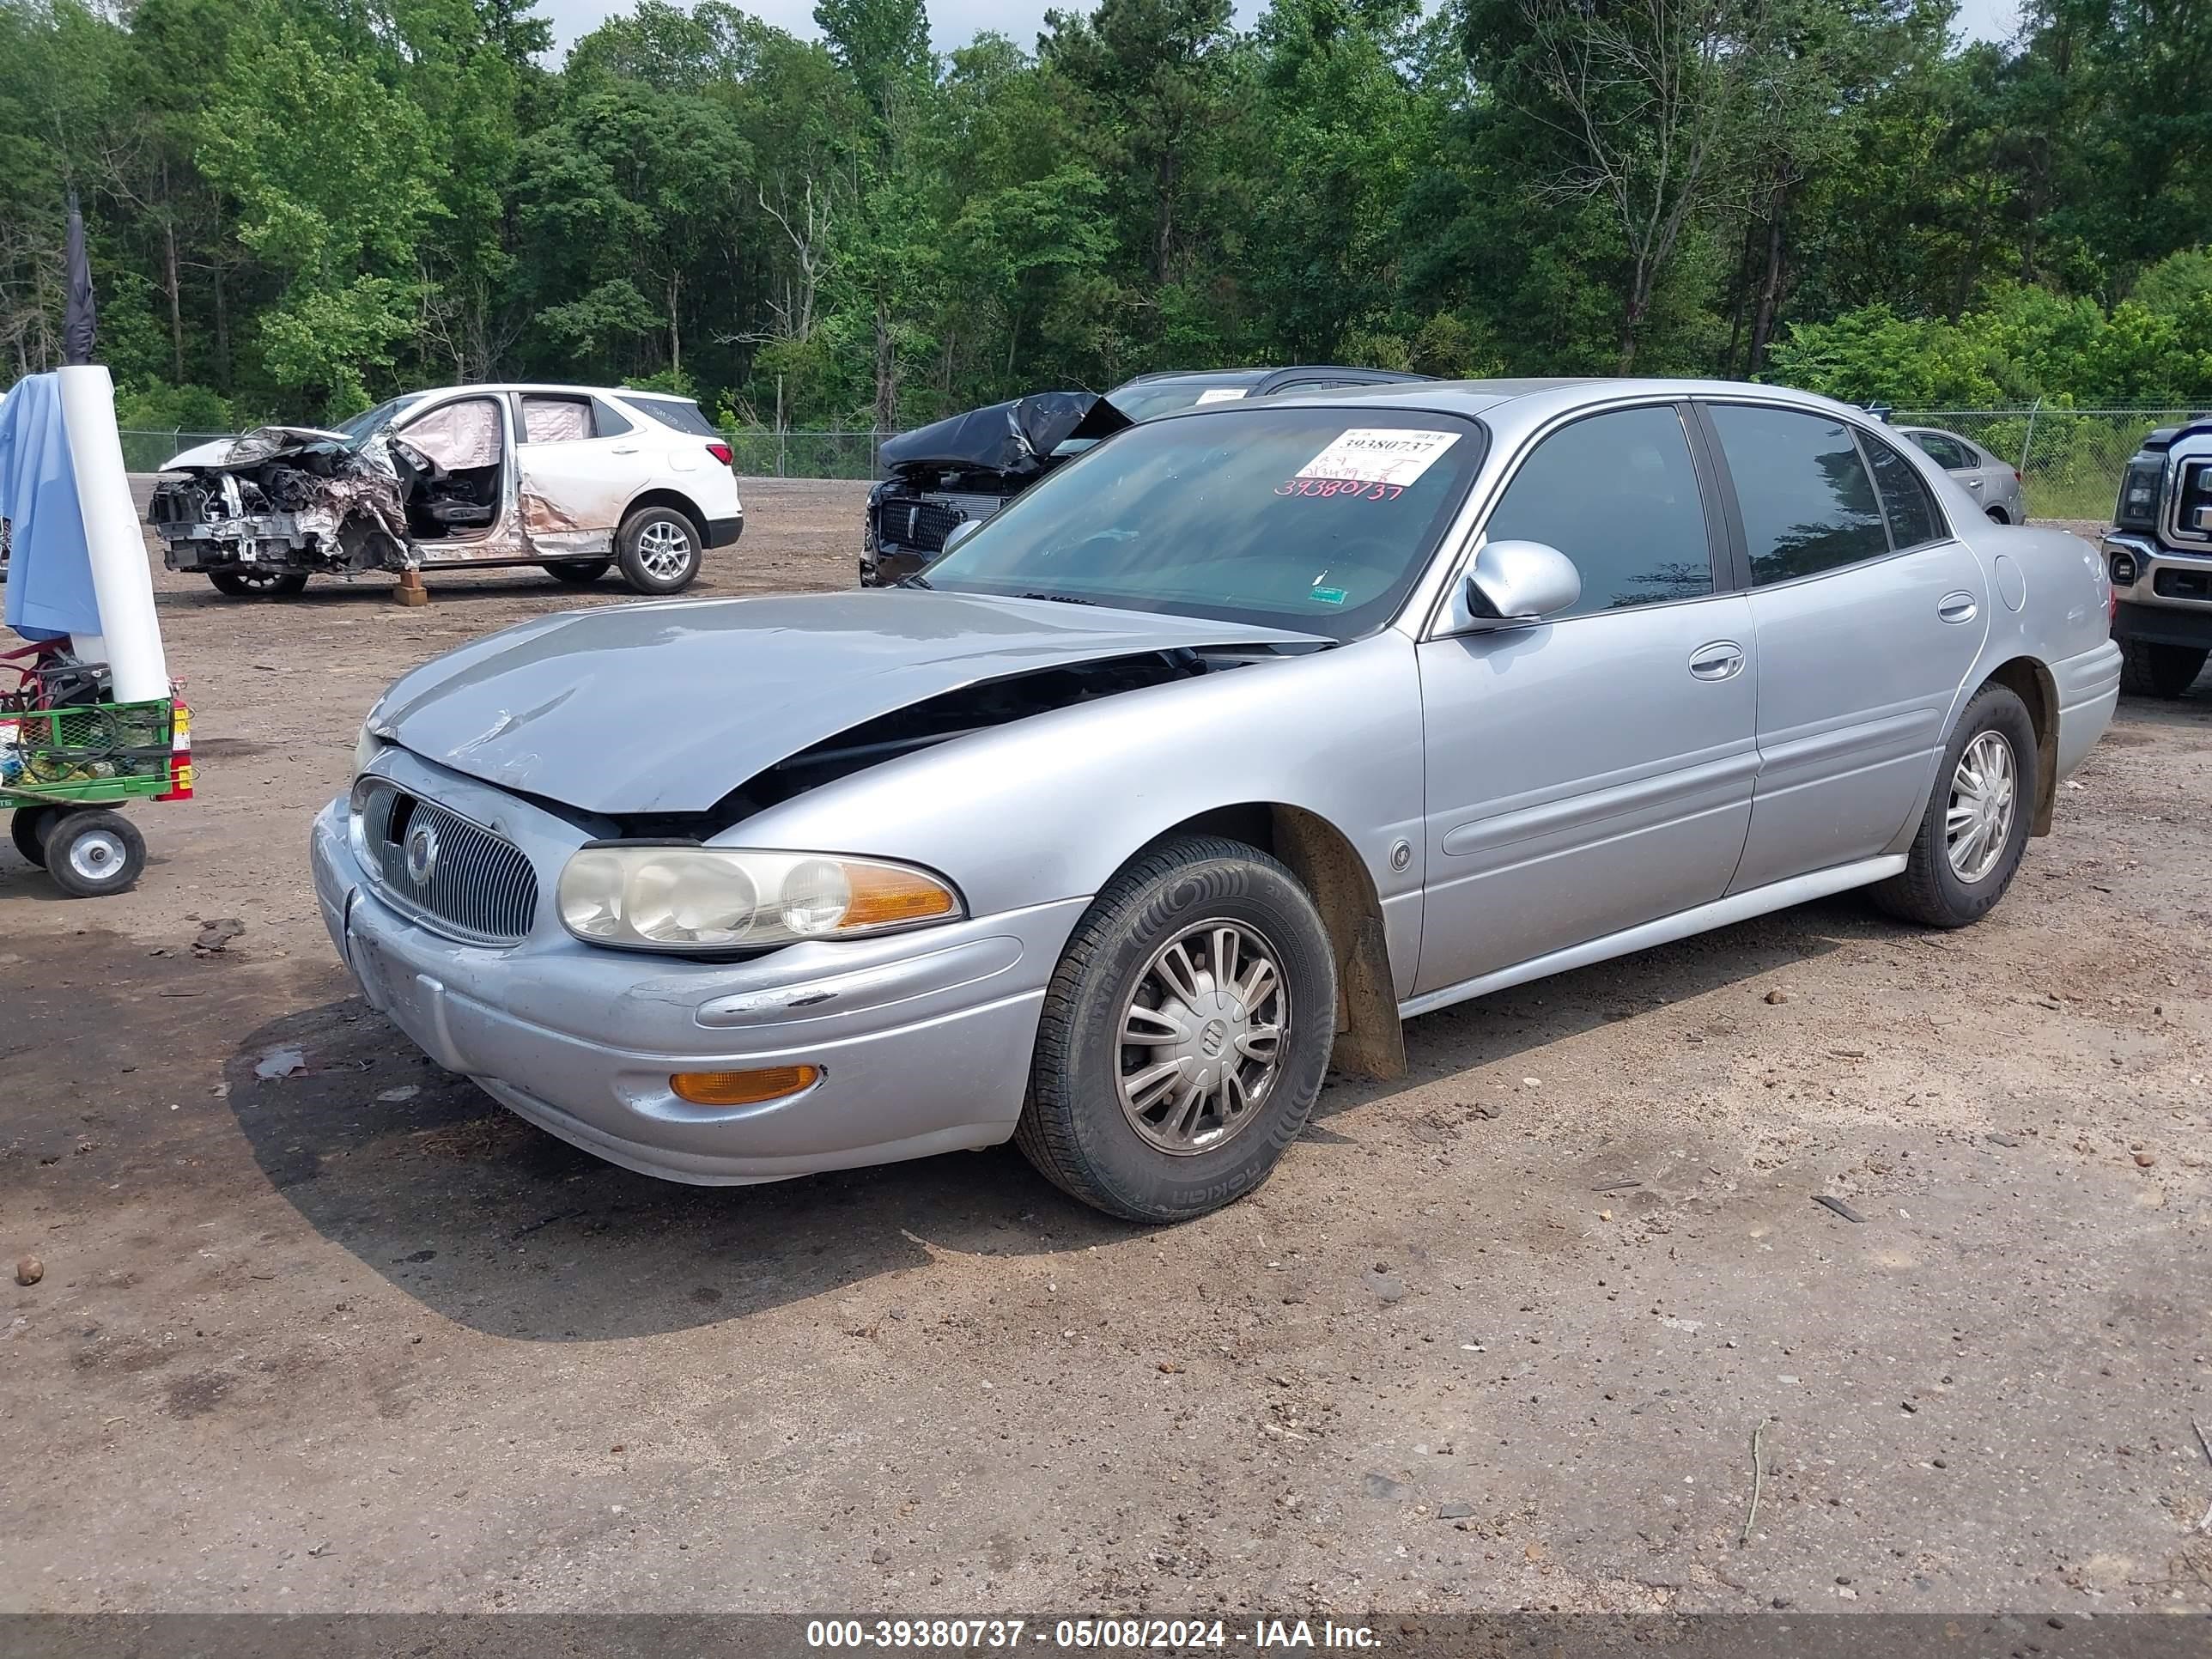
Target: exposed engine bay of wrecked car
298	498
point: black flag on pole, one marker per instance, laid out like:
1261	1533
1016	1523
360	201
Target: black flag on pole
79	322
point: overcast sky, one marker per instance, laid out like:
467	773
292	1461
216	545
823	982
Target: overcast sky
955	22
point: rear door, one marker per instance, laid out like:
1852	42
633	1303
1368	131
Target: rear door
579	462
1592	772
1868	616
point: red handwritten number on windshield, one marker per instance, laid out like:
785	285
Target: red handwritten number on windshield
1347	489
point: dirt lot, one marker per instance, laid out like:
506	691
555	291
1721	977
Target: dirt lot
1496	1336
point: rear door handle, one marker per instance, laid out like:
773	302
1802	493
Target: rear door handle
1721	661
628	449
1973	483
1957	608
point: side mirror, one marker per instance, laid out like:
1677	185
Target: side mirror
1514	583
959	533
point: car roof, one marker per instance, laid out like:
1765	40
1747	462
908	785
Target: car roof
1250	377
632	393
1539	398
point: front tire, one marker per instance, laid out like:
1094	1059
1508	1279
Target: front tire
1974	830
251	582
93	855
1184	1035
660	550
2159	671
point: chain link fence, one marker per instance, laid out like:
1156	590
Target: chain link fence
2069	460
761	452
144	451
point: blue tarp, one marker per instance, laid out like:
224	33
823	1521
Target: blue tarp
49	566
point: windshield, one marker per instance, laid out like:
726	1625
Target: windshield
1147	400
1317	520
373	420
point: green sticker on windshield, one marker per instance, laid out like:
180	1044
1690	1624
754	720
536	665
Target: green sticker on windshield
1326	596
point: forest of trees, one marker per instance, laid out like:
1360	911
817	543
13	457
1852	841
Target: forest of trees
297	207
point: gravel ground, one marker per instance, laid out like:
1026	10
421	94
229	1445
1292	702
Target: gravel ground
1497	1335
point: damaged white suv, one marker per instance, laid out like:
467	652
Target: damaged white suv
574	478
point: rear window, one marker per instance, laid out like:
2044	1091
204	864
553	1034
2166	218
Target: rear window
678	412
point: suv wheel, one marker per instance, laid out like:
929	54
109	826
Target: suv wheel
1184	1035
659	551
252	581
1974	831
2159	671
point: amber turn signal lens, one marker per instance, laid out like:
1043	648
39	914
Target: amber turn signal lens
743	1088
881	895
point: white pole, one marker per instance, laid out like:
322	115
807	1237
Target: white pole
122	585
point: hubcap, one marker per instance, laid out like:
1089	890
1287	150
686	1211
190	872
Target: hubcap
664	548
1202	1037
98	856
1984	796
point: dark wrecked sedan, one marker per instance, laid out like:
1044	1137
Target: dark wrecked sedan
1232	744
961	469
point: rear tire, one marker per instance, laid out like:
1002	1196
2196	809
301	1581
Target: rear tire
578	572
660	550
1997	515
2159	671
1954	877
252	583
1241	1062
93	855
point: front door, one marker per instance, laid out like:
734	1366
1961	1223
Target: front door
1868	616
1592	772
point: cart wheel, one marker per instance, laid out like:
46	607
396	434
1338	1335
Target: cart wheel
92	855
28	830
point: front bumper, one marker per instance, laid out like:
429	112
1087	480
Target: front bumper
888	567
2170	601
923	1039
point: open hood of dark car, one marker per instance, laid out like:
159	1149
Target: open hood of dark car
667	708
1015	438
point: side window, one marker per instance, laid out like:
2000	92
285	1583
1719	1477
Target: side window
1617	493
1941	450
555	420
1914	519
457	435
608	422
1807	501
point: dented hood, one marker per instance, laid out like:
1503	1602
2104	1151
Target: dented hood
1016	438
667	708
262	444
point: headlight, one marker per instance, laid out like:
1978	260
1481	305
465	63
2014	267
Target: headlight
640	897
366	748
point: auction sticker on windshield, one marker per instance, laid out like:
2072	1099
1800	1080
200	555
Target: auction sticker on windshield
1379	455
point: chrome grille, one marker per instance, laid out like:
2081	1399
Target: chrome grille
476	884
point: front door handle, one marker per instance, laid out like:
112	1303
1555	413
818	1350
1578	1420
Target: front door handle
1721	661
1957	608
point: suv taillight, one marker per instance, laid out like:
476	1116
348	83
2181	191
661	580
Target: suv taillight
721	453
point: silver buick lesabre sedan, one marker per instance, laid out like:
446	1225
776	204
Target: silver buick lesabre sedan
1213	758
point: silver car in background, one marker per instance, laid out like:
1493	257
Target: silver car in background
1213	757
1995	485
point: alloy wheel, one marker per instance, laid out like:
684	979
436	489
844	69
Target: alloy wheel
1977	823
1202	1037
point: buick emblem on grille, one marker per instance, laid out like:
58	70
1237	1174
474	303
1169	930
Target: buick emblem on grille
422	853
